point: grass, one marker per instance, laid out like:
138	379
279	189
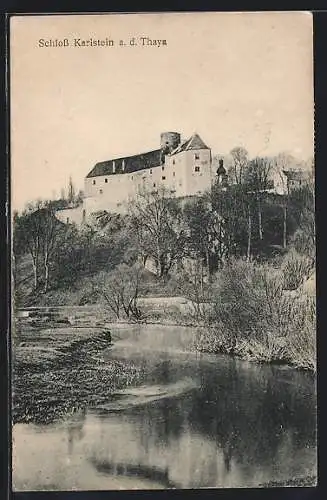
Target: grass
56	372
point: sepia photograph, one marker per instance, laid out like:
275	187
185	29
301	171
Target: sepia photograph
163	251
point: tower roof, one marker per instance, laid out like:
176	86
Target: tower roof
221	170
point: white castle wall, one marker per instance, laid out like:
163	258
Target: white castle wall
186	173
71	215
198	176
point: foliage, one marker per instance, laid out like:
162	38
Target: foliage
238	254
259	318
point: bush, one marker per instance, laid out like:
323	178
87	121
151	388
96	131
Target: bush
243	292
256	319
301	333
295	269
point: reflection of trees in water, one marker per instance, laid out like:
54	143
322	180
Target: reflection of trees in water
162	421
75	426
247	411
248	414
146	472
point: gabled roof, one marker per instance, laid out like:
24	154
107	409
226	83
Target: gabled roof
142	161
134	163
195	142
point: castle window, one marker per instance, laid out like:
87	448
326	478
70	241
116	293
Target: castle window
150	170
100	191
197	169
162	168
67	220
173	174
197	156
154	184
173	162
163	178
106	180
132	177
93	182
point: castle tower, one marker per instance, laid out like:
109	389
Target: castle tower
169	141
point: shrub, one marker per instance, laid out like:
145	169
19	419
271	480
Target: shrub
295	269
301	332
257	319
242	295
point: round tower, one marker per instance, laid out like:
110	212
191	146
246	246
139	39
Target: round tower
169	141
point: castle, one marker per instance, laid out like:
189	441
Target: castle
183	167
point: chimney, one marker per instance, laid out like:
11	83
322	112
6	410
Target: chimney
113	167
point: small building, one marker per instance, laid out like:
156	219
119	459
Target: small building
296	178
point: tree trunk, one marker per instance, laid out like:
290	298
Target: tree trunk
284	225
201	278
46	275
248	253
260	219
208	263
159	262
35	273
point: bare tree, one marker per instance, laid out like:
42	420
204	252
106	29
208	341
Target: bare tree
282	163
35	232
121	290
50	229
27	237
258	177
240	158
160	229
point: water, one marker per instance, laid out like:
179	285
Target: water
222	423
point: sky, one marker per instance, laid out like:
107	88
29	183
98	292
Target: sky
234	78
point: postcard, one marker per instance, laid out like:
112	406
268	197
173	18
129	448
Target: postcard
163	251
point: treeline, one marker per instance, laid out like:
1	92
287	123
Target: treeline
241	219
235	252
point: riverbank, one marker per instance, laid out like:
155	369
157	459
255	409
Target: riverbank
179	404
296	350
57	371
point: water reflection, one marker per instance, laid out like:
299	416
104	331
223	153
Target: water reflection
75	429
242	425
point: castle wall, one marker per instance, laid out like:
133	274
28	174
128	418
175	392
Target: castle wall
186	173
111	192
71	215
198	171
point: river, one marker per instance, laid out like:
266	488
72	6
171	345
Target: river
221	423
